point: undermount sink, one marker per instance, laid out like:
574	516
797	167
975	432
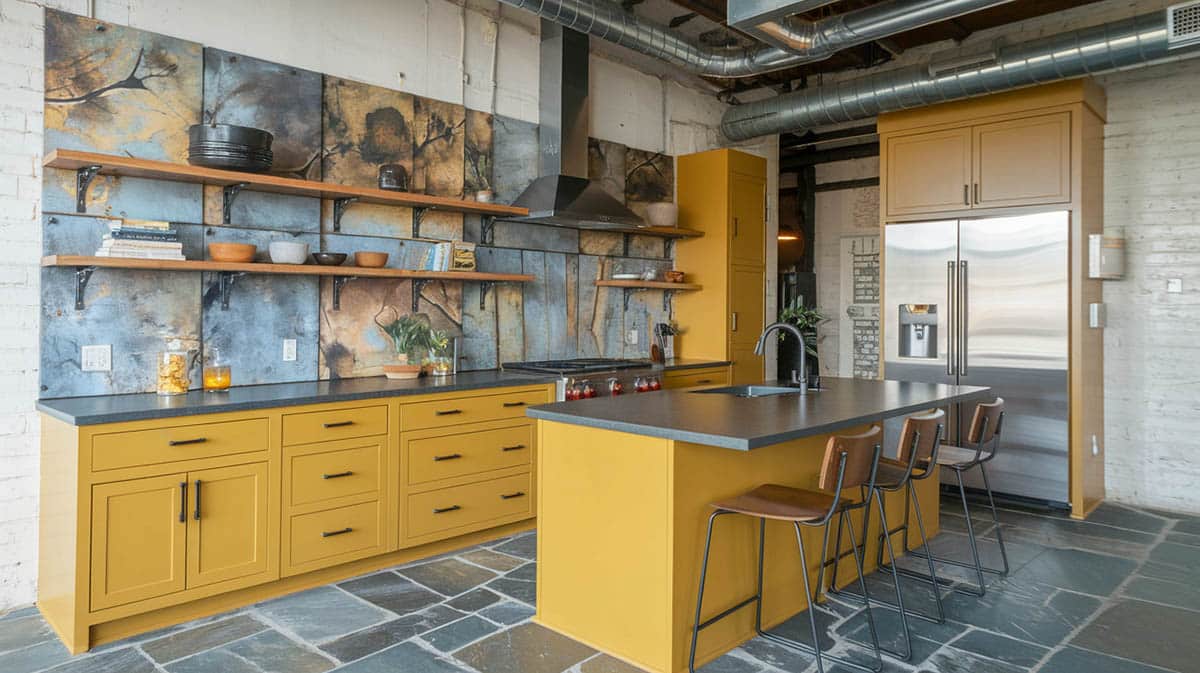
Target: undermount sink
751	391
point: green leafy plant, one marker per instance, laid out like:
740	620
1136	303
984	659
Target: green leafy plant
806	319
412	335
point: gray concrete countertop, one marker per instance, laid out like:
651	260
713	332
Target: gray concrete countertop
748	423
98	409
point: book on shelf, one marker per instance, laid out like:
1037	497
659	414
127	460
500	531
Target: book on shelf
153	225
142	235
142	254
140	243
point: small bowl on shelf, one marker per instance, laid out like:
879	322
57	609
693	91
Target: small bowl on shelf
329	258
231	252
370	259
662	214
288	252
673	276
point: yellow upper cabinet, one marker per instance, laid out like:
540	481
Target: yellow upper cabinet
1023	161
722	193
929	172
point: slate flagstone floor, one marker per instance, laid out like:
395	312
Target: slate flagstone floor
1119	593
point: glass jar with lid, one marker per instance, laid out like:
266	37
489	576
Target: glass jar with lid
173	368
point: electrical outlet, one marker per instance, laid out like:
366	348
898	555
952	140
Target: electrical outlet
96	358
289	350
631	337
1174	285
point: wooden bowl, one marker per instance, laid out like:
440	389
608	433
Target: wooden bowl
370	259
231	252
673	276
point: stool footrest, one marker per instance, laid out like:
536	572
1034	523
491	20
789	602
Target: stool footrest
961	564
725	613
887	604
809	649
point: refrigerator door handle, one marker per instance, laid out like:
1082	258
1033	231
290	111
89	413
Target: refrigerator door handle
950	317
964	319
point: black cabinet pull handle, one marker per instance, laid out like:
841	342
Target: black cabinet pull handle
704	381
510	496
443	510
514	404
196	514
339	424
514	447
337	475
182	442
448	412
331	533
182	502
449	456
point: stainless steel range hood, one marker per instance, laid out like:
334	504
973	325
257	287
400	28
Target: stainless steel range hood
563	196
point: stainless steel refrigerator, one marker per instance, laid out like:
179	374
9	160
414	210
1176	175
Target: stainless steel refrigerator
985	302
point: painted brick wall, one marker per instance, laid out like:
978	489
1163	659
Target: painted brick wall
477	55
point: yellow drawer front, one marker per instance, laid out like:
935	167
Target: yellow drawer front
455	455
336	535
469	409
315	477
323	426
185	442
448	510
689	378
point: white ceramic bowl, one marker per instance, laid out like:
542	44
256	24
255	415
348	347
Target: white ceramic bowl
662	214
288	252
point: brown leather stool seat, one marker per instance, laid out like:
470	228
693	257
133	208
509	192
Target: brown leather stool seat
782	503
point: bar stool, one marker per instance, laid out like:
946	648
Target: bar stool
986	424
918	448
849	461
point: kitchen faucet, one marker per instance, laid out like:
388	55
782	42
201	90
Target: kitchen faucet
800	378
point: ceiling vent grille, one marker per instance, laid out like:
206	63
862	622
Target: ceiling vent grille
1183	24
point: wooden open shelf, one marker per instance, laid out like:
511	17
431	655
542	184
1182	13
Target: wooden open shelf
662	232
84	265
648	285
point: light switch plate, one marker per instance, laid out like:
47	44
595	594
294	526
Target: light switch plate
289	350
96	358
1174	285
631	337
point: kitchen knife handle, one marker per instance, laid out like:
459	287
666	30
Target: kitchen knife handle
951	318
964	318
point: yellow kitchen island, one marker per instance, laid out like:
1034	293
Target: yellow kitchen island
624	486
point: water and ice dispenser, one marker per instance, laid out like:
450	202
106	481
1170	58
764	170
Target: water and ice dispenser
918	331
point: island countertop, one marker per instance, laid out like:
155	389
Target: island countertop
748	423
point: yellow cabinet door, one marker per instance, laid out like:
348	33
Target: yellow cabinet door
747	230
747	367
746	302
227	524
138	535
928	172
1023	162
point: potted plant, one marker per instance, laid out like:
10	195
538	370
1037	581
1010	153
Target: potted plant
413	338
806	319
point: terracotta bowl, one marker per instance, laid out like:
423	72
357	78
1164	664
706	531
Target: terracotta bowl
370	259
231	252
402	371
673	276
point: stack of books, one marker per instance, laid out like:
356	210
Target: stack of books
142	239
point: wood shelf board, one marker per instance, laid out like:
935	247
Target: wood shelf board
663	232
281	269
163	170
648	285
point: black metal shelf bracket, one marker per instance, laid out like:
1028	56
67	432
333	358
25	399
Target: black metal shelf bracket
668	248
666	300
418	285
228	194
339	282
487	229
418	215
225	285
339	209
83	180
82	275
484	286
667	295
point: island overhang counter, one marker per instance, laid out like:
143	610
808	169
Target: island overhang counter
623	494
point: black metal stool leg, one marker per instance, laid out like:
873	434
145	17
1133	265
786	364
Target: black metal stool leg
696	625
971	534
933	578
907	654
995	517
808	597
892	567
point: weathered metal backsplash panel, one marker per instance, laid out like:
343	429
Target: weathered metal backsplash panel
120	90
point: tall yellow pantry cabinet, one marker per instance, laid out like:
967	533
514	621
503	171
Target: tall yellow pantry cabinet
724	194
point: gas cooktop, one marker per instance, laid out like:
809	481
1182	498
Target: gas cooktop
576	366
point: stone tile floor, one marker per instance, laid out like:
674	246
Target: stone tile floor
1119	593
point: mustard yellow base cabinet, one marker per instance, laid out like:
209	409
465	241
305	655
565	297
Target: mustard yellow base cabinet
150	523
723	194
691	378
621	523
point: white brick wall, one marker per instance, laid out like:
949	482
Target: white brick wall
385	43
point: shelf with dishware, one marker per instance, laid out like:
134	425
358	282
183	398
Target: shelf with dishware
227	271
630	286
87	165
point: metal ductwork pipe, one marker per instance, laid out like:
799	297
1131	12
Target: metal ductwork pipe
1137	41
811	41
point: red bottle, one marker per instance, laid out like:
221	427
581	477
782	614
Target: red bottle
655	384
573	392
589	391
615	387
641	385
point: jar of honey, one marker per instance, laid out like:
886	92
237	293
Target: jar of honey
217	373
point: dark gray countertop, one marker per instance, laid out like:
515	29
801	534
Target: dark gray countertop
748	423
100	409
